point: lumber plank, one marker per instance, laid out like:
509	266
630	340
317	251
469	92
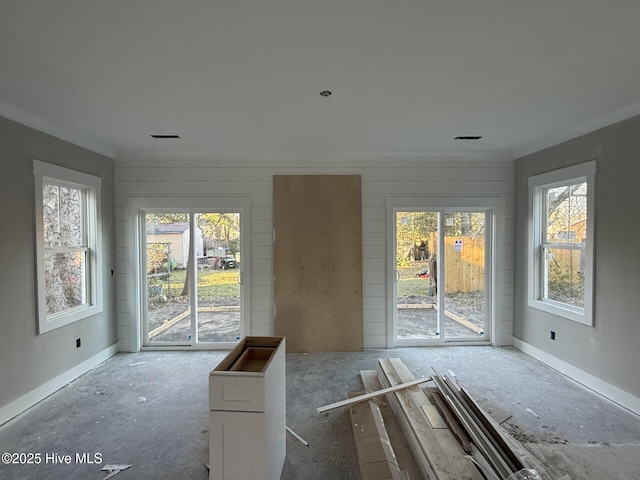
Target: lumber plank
434	417
490	429
482	441
464	467
429	468
524	457
404	375
376	457
454	425
483	464
169	323
406	460
435	450
369	396
370	380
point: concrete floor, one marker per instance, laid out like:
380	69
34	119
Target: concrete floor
150	410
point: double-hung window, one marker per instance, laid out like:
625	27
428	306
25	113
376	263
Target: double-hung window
561	242
67	245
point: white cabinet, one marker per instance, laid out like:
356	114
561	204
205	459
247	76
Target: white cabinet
247	403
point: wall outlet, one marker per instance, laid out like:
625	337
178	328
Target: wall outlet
553	335
78	343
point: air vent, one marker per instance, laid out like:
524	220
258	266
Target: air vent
165	136
468	137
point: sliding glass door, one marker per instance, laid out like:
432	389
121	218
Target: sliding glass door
441	275
193	276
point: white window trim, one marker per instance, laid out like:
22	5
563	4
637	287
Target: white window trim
44	172
494	206
139	206
580	172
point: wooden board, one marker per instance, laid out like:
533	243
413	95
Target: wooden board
317	252
437	452
368	396
406	462
376	457
435	419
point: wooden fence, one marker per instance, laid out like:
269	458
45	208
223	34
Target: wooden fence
464	264
565	267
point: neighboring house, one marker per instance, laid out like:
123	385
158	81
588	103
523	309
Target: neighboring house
176	236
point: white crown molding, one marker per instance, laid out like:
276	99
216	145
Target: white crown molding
312	157
582	129
51	128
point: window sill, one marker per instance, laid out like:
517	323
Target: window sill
560	310
65	318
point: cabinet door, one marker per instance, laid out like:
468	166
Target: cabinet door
237	446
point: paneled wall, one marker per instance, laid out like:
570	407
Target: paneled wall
251	176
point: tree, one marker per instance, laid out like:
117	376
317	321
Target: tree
189	273
411	228
220	230
566	208
65	240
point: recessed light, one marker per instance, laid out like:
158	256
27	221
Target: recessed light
166	136
468	137
325	93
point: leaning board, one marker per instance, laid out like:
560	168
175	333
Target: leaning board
317	252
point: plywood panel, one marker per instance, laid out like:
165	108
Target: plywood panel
317	253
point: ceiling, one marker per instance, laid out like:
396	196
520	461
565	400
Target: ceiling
406	76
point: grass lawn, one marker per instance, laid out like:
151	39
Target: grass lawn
224	283
409	284
211	283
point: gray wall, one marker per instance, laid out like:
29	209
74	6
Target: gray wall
610	349
28	360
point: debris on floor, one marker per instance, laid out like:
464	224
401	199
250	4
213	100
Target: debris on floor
533	413
524	474
297	437
573	461
114	469
449	435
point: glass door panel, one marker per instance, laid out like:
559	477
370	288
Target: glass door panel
218	277
192	277
416	282
464	275
168	318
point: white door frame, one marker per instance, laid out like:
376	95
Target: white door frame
138	206
494	207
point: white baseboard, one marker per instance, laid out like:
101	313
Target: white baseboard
613	393
28	400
